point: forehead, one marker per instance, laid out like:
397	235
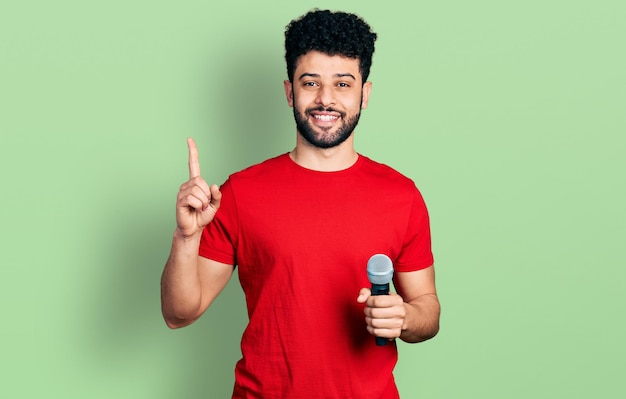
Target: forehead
315	62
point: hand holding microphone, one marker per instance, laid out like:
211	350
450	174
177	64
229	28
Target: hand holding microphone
384	312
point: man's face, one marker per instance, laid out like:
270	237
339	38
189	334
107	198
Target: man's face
327	96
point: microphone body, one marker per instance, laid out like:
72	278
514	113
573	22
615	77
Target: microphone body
380	273
380	289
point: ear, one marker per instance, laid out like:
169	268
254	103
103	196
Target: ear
288	92
367	89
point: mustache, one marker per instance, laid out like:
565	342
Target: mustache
323	109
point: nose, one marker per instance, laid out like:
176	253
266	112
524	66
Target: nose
325	96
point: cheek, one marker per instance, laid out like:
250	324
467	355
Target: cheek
351	100
302	99
354	104
301	105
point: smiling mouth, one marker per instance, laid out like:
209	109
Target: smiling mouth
326	118
325	115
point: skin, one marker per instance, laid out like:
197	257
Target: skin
329	82
190	283
327	92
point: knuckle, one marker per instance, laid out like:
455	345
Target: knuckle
188	200
181	198
376	323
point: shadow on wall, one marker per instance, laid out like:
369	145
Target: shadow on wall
253	121
127	335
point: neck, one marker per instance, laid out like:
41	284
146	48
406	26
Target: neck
332	159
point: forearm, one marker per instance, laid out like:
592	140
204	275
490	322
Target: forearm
181	290
422	319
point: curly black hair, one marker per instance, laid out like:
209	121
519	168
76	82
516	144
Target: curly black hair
332	33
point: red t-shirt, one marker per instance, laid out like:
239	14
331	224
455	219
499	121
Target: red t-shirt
301	240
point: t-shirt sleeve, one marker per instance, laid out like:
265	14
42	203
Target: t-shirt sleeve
219	237
416	251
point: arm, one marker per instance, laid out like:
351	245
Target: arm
189	282
411	315
419	294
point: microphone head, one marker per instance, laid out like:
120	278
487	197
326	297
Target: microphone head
379	269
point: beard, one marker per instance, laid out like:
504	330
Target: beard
326	139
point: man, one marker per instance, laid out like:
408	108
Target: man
301	228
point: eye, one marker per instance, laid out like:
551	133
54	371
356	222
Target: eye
343	85
310	84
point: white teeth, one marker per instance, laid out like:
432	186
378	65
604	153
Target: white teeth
325	118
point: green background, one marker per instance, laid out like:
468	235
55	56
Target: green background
510	117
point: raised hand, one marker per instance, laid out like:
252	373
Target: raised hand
197	202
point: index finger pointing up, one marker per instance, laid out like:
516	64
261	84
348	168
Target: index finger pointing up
194	164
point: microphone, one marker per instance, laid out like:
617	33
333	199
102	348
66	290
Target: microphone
379	273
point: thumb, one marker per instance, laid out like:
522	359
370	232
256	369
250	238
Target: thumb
216	197
363	295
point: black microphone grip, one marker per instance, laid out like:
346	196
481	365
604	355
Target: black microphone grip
380	289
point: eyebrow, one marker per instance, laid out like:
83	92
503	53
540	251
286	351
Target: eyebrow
337	75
